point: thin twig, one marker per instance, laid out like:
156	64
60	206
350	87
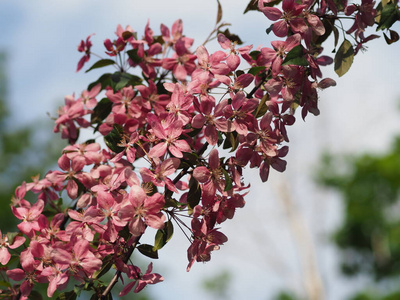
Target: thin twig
114	280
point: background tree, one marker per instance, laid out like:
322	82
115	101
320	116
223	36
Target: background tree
24	150
369	236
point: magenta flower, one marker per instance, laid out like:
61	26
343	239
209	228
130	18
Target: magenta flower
88	97
142	211
176	33
84	153
182	63
84	47
159	176
240	110
80	260
30	217
205	240
291	17
169	137
233	60
212	178
141	279
276	56
5	243
212	118
212	63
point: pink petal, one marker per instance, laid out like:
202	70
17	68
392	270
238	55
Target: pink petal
158	150
4	255
202	174
224	41
280	28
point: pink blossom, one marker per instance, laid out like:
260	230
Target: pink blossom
169	138
79	258
290	17
211	118
84	47
141	279
182	63
159	177
142	211
233	60
30	217
5	243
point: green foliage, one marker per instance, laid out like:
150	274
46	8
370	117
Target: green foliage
389	14
163	235
296	57
101	63
194	194
30	142
218	285
371	228
114	138
344	58
286	296
369	236
148	250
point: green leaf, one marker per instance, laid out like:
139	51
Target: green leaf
11	236
228	181
148	251
231	141
101	111
125	233
394	37
35	295
191	159
114	138
219	13
101	63
220	139
251	6
239	72
121	80
256	70
194	193
389	15
344	58
262	107
329	24
232	37
5	283
163	235
107	264
67	296
127	34
296	57
134	56
104	80
336	35
269	29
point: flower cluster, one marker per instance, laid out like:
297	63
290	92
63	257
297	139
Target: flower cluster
174	121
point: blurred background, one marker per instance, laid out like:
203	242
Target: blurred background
327	228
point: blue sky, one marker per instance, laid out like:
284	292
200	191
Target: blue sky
359	114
